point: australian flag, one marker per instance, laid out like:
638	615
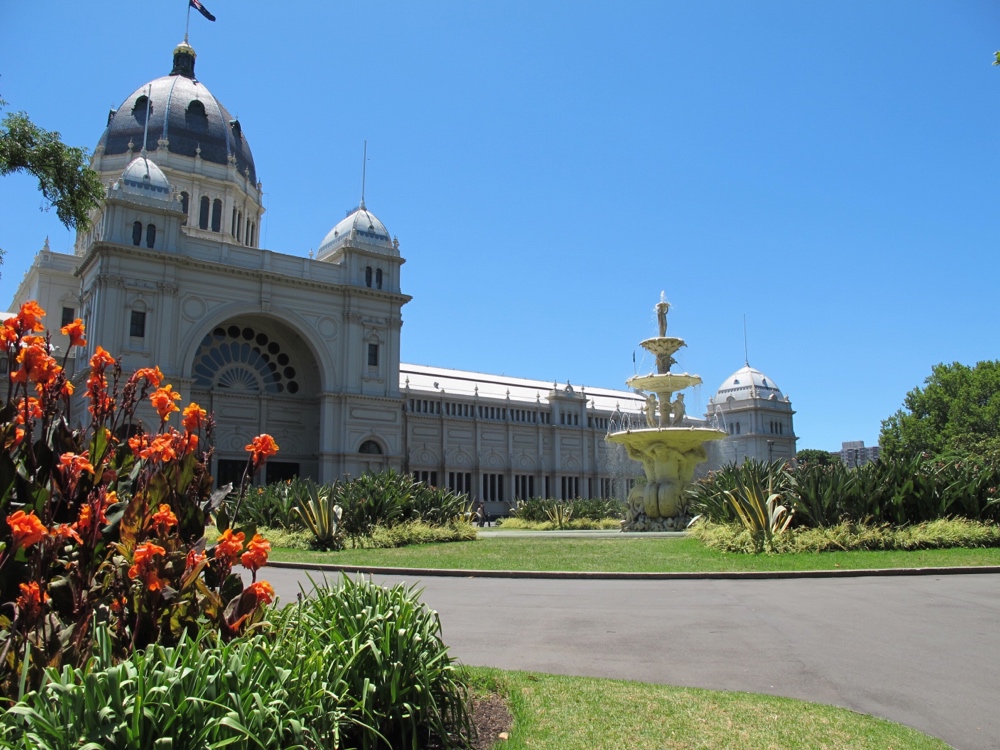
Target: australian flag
196	4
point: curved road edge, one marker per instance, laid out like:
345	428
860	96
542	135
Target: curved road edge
656	576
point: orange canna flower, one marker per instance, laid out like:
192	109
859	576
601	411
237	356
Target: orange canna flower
194	558
8	332
138	444
101	359
85	520
255	557
144	566
36	364
194	417
29	317
262	447
28	408
76	463
75	332
31	599
161	449
229	546
152	375
27	529
262	591
163	401
163	519
66	531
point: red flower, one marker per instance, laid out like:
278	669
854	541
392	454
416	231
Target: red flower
26	529
261	448
163	519
144	566
229	546
163	401
255	557
75	332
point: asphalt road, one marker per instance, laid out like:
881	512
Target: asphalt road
922	651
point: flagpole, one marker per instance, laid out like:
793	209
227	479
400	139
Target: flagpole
187	22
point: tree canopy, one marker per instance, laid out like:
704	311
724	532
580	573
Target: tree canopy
956	412
63	174
816	456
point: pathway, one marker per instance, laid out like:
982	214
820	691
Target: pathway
923	651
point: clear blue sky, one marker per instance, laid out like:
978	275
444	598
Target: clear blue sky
828	169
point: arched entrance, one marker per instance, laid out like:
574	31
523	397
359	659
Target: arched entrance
256	374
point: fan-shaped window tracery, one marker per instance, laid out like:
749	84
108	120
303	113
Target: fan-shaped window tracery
242	359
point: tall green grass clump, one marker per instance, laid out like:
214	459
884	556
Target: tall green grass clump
355	666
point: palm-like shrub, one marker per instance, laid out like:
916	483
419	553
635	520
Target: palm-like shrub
373	500
317	509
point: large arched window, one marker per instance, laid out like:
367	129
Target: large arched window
243	359
217	215
137	233
150	235
185	201
368	276
378	278
203	213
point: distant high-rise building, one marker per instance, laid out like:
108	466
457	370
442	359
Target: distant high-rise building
854	453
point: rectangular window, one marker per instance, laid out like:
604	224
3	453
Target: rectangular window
373	355
137	325
229	471
68	315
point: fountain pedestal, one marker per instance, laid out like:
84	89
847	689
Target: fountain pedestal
667	450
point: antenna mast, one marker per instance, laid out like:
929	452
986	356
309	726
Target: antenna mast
364	172
746	357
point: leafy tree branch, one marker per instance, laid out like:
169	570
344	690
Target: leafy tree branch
63	174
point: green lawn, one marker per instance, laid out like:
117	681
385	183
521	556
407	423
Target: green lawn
626	554
557	713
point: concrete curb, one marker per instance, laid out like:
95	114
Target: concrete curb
593	576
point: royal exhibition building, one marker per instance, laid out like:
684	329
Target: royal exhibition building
308	348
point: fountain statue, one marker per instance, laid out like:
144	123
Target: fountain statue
668	451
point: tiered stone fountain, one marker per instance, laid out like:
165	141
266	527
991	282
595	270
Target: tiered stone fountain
668	451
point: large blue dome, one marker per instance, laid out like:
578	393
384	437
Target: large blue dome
184	117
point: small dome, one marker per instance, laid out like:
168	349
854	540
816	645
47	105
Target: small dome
360	227
184	118
747	383
143	177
